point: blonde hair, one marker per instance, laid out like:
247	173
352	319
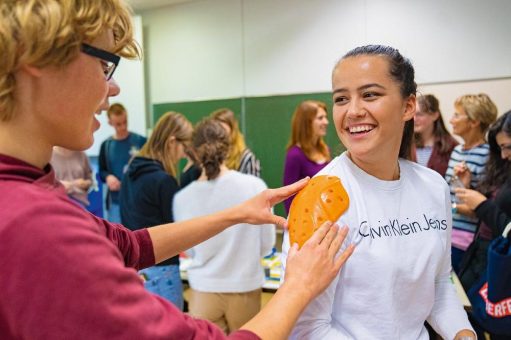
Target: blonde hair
479	107
302	132
237	140
45	33
171	124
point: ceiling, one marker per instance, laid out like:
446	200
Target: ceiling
140	5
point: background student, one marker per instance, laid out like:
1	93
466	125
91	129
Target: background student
474	113
146	195
307	152
72	275
399	277
226	274
433	142
73	170
114	154
240	157
490	202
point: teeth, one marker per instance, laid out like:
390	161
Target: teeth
360	128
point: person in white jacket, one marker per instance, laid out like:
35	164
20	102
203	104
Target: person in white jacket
399	214
226	274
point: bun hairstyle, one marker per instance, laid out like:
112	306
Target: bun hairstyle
236	138
211	142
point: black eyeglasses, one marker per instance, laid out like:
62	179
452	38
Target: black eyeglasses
108	60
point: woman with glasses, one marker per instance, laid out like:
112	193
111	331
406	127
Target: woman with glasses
474	113
490	202
68	274
399	214
433	142
146	195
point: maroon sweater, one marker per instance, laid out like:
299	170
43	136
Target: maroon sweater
66	274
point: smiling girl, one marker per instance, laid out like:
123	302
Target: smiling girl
399	277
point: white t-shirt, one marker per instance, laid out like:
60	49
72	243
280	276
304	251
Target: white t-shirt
399	274
229	262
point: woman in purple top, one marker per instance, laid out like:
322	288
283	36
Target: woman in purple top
307	152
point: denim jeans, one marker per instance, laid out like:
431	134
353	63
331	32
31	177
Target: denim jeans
165	281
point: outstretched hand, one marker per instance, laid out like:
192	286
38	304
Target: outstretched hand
316	264
257	210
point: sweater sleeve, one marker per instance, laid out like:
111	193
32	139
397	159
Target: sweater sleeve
68	281
292	171
496	217
447	316
316	320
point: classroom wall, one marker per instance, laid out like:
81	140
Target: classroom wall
207	49
261	58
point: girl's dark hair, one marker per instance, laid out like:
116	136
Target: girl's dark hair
429	104
211	142
401	70
497	170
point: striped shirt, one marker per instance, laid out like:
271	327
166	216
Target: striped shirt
475	159
249	164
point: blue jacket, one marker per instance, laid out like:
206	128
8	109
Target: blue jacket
146	196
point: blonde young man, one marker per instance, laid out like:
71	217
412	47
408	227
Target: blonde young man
67	274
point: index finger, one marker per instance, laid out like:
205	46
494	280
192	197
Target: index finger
280	194
320	234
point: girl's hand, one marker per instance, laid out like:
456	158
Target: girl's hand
470	198
462	171
312	268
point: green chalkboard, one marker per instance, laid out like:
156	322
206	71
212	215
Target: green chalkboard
195	111
267	127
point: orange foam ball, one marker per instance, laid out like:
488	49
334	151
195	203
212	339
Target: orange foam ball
323	199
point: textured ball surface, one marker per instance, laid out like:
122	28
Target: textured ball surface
323	199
